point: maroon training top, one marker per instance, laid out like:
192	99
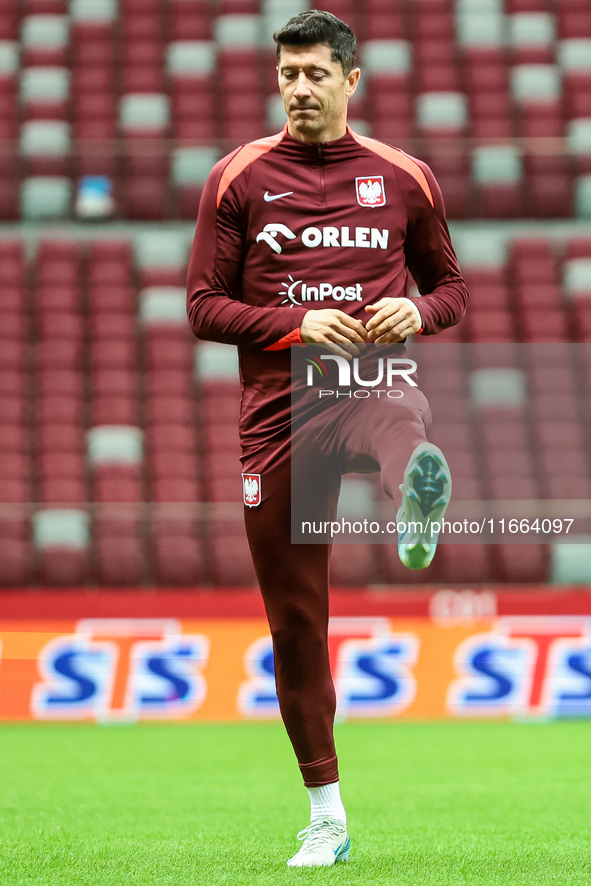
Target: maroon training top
285	227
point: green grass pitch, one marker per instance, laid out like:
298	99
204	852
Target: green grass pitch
428	803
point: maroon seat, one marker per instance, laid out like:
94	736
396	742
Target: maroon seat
454	435
172	382
522	562
178	560
222	437
113	383
53	409
489	297
13	438
560	406
231	560
466	563
57	297
146	197
551	378
114	410
509	488
112	326
535	269
62	490
504	436
221	410
176	410
120	560
116	298
519	465
224	488
352	564
60	437
115	271
538	295
14	491
14	326
170	438
121	519
12	411
59	353
60	382
565	463
566	487
538	325
14	466
173	465
58	271
62	464
106	355
15	562
501	201
189	21
62	566
578	247
560	436
222	463
173	489
59	324
12	273
452	407
13	383
161	353
491	326
112	489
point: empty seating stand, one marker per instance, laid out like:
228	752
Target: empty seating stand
123	90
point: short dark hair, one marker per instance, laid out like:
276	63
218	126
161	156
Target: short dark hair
319	26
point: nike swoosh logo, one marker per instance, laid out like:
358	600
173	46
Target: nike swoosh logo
269	198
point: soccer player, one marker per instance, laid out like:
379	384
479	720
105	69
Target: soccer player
315	204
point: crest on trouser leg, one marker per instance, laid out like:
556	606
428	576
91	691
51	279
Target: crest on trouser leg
251	489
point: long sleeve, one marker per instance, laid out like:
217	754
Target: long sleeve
215	308
431	259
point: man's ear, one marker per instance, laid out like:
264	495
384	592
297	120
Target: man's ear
352	81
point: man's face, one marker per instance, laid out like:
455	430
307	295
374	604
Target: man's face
315	92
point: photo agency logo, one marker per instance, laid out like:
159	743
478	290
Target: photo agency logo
376	377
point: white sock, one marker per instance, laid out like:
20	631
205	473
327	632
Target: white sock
326	800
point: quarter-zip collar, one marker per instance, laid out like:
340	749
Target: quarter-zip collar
324	153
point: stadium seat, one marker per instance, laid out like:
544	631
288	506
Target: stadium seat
15	561
522	562
120	561
570	561
231	560
582	196
44	39
61	538
45	197
178	560
497	171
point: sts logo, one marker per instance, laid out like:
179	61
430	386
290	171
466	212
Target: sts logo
531	666
121	670
372	669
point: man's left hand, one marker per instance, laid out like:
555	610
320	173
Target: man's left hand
393	320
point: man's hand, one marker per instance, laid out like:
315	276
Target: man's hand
393	320
342	334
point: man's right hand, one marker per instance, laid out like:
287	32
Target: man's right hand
342	334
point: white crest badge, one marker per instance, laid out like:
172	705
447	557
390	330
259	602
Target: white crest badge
370	190
251	489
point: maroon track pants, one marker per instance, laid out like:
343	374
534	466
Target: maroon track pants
294	577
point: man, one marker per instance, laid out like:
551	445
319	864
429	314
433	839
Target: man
315	203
